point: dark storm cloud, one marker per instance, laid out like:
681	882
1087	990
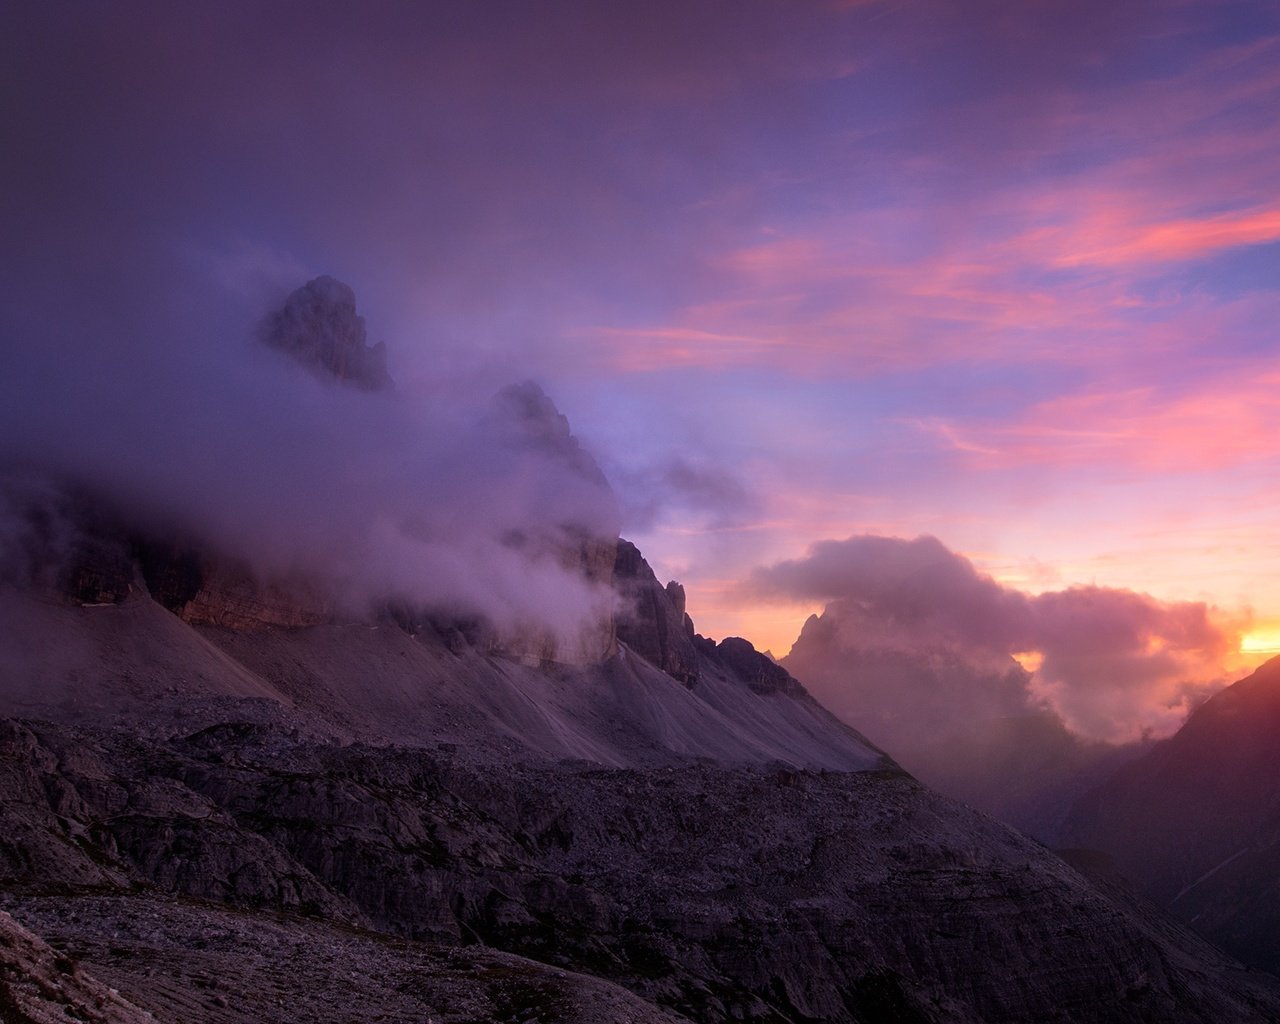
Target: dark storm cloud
1112	662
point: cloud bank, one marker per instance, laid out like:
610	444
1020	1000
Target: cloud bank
468	503
1113	664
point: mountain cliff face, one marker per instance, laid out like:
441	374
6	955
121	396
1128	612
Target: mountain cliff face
318	326
1196	821
652	619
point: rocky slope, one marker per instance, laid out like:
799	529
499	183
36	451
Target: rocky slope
1196	821
217	821
42	985
136	665
711	893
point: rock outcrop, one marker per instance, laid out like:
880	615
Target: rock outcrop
761	673
651	618
319	327
42	985
225	592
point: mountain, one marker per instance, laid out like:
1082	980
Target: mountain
183	800
318	327
1196	821
956	717
476	764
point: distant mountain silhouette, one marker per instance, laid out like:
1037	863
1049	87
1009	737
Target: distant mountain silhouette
958	719
1196	821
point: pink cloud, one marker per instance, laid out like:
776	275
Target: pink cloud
1054	263
1216	423
1113	242
1112	663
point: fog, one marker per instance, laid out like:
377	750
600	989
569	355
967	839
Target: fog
379	493
1113	664
172	174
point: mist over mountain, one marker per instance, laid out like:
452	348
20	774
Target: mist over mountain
393	395
481	720
367	492
1012	701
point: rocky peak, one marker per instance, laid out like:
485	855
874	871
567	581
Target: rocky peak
319	327
652	620
524	411
762	674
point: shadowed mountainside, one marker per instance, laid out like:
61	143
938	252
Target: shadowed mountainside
1196	821
718	893
559	837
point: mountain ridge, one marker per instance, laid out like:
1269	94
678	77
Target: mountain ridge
1218	770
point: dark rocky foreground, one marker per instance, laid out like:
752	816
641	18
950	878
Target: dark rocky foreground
242	873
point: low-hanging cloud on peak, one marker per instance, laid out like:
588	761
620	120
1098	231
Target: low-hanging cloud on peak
694	489
460	502
1113	664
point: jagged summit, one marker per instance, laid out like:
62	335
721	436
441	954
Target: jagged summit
652	618
527	410
319	327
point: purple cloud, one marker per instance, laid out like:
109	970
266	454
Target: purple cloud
1112	663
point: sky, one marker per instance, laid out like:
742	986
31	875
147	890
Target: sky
1000	274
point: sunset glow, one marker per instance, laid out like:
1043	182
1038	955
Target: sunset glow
1261	641
1029	660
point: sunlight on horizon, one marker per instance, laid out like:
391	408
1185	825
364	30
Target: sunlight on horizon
1261	641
